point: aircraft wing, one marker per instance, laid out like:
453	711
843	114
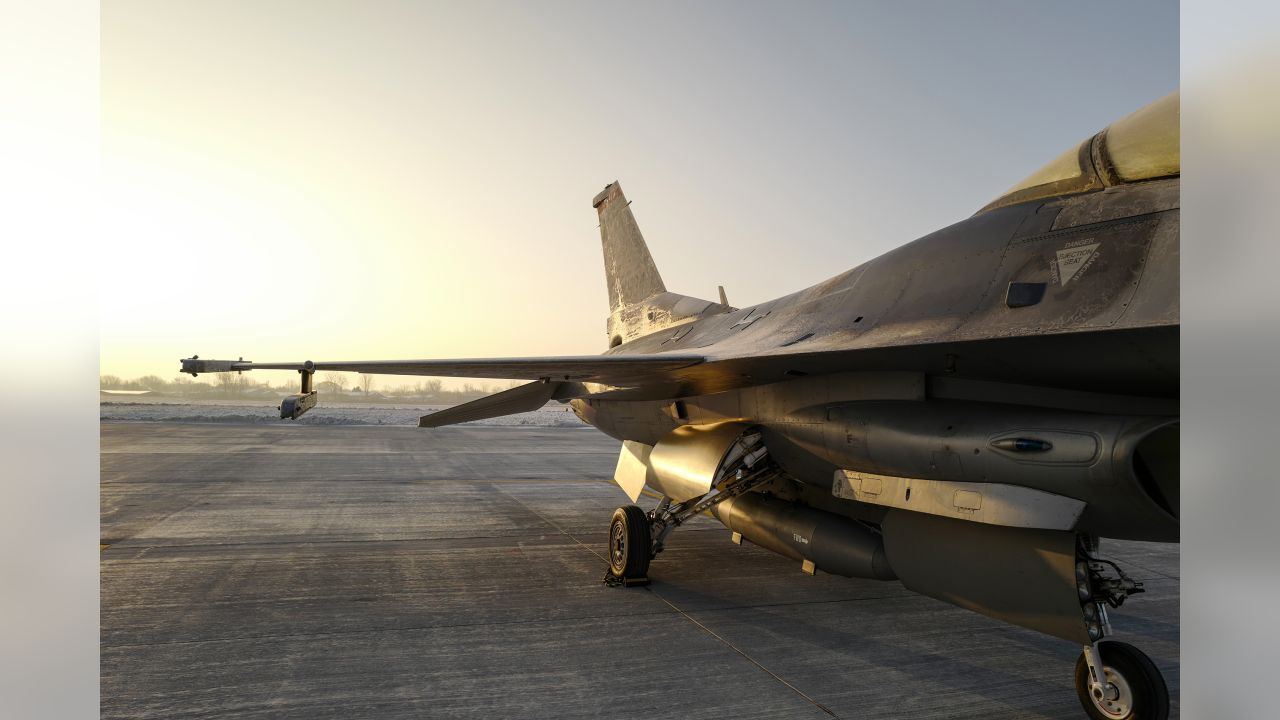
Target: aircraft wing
604	369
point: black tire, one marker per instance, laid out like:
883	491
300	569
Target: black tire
1147	694
630	544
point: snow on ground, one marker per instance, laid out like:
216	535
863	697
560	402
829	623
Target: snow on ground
552	415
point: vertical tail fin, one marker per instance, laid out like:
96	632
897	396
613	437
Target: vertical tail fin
639	303
628	266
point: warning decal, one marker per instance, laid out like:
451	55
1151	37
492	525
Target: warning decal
1074	258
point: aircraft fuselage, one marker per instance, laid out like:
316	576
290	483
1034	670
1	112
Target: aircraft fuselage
1055	316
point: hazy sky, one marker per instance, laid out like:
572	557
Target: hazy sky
381	180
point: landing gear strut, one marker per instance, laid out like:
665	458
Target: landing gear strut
1114	680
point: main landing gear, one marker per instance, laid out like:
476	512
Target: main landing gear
636	537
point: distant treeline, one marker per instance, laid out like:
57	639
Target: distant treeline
358	388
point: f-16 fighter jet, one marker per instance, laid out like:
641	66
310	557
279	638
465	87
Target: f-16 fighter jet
968	414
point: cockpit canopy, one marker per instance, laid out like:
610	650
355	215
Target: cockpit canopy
1140	146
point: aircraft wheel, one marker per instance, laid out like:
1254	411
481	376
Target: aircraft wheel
1135	688
629	542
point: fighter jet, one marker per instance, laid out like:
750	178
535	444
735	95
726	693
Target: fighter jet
968	414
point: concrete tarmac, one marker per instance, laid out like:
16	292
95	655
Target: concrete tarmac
283	571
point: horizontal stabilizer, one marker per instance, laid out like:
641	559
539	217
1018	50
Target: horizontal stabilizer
524	398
